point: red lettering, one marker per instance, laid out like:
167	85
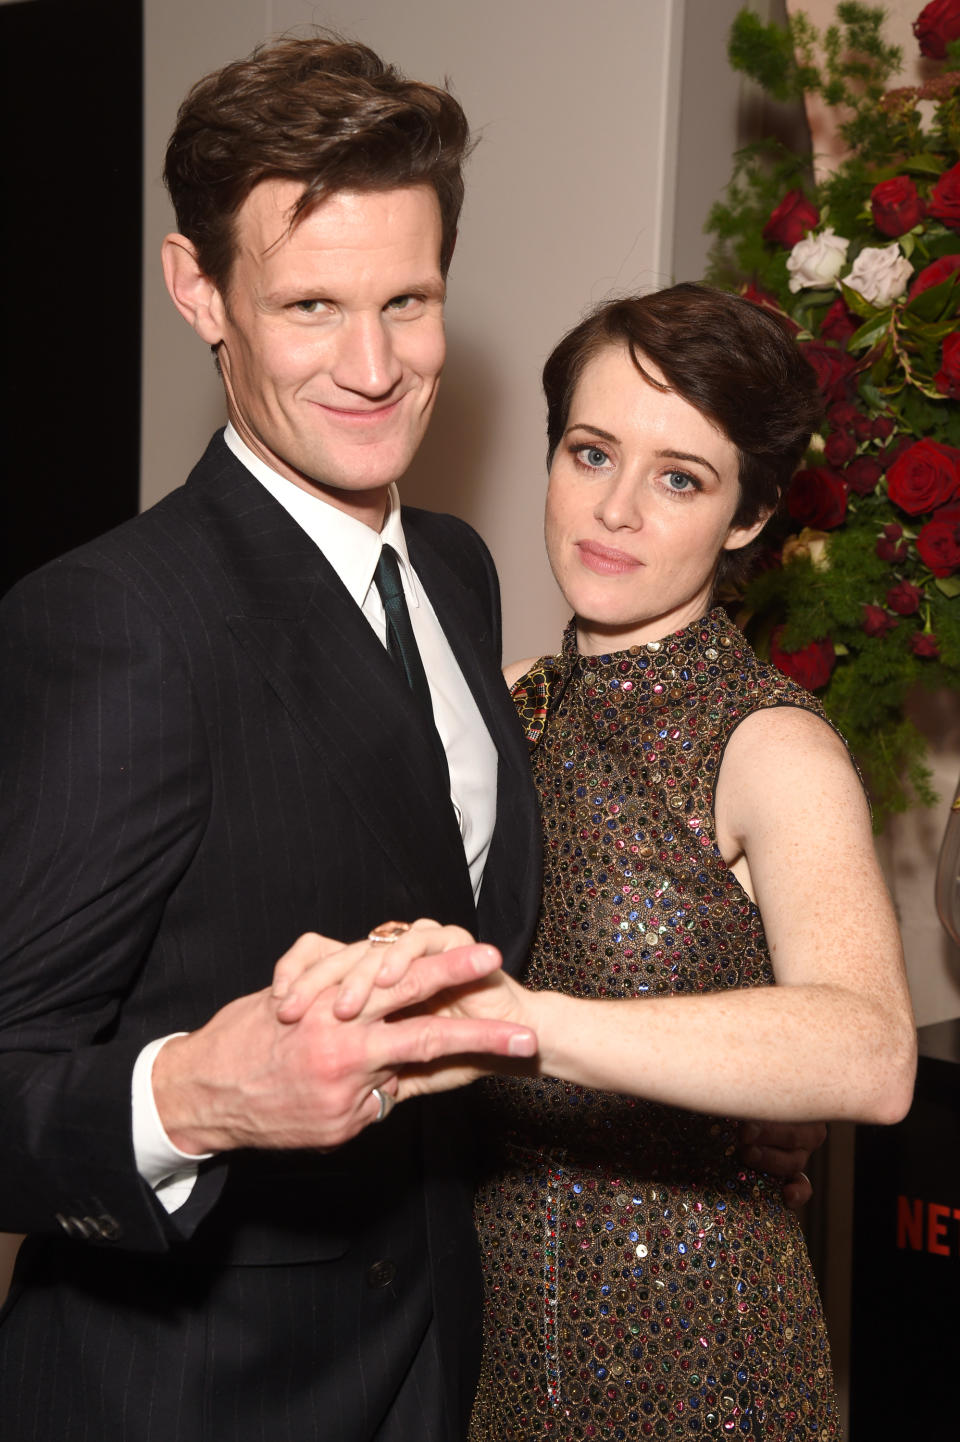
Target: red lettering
937	1229
910	1223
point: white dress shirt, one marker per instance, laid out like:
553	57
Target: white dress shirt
353	550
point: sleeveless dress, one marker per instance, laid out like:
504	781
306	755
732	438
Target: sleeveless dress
639	1281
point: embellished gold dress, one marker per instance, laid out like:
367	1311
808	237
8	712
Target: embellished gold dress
639	1281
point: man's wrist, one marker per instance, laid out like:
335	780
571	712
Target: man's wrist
179	1094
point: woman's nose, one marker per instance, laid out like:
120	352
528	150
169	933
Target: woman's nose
619	507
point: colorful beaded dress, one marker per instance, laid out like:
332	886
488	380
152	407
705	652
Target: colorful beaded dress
639	1282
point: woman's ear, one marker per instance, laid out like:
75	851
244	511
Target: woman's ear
740	536
193	293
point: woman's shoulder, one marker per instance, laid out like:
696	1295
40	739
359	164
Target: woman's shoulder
515	670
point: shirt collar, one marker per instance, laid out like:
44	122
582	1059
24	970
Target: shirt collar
351	547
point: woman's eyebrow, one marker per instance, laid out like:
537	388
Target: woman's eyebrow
594	430
687	456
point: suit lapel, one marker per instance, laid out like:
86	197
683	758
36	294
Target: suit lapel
300	627
510	895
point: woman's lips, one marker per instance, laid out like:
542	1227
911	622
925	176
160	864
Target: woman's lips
605	560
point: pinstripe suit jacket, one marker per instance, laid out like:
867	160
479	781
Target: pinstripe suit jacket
205	751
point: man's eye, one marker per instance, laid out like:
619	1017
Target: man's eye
311	307
401	302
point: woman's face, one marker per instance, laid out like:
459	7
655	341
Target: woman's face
643	490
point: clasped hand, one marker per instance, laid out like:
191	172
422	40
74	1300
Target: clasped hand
441	973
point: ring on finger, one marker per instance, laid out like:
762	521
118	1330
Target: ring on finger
387	932
385	1103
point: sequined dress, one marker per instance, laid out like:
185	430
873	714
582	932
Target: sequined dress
639	1282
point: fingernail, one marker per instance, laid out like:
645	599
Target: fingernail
749	1132
280	989
484	959
523	1044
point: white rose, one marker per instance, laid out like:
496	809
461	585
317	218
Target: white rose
880	273
817	259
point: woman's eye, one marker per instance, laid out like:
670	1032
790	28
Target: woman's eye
592	456
681	481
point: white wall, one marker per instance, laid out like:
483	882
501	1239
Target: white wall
570	197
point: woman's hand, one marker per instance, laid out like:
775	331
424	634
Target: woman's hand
360	967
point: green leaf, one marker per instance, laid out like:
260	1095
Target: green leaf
924	164
933	303
948	586
856	302
870	333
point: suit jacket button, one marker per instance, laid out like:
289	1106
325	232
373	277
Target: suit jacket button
381	1274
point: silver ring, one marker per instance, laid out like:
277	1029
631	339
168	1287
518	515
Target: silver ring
385	1103
387	932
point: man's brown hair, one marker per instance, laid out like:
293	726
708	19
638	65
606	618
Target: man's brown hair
735	361
325	112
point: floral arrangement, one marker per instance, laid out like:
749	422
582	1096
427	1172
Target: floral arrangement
858	597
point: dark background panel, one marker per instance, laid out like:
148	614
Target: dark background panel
71	92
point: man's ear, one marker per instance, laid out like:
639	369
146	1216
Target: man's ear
194	294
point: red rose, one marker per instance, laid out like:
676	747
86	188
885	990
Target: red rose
937	24
817	498
945	201
876	622
863	474
904	598
896	205
924	644
934	274
923	476
840	447
833	368
938	547
892	551
791	220
882	427
811	665
947	378
838	324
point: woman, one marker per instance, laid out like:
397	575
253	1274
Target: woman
640	1282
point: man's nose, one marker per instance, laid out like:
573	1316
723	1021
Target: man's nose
365	361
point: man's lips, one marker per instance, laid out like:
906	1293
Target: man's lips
358	416
605	560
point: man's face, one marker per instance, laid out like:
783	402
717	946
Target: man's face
331	337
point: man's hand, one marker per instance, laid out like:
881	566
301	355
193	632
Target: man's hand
783	1149
250	1079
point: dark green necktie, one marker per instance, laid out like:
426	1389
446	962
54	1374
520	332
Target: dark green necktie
402	644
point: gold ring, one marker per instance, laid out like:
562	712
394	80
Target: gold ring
387	932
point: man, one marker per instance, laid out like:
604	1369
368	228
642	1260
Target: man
216	741
208	752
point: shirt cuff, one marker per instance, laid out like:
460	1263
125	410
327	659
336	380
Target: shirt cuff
170	1172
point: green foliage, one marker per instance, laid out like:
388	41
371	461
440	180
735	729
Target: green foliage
826	579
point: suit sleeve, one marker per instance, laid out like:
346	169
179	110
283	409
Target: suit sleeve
104	792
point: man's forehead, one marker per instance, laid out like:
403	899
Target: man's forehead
369	219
